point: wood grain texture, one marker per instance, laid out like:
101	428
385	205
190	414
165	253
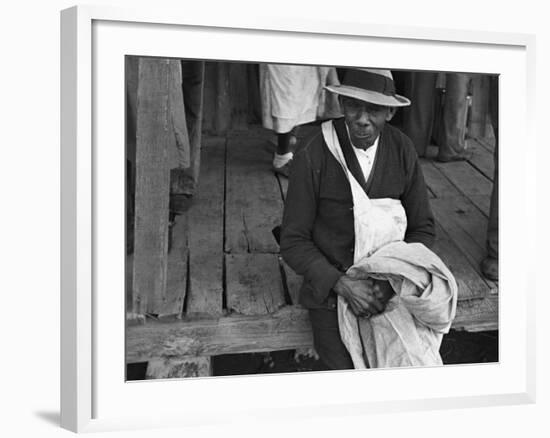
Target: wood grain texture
466	227
206	234
253	198
176	283
470	284
477	315
154	138
253	284
286	329
171	368
482	160
465	178
436	181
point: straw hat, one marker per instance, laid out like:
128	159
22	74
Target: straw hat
370	85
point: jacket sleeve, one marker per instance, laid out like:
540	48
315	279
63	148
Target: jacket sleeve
297	246
420	219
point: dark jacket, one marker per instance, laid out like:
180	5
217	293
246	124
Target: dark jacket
317	237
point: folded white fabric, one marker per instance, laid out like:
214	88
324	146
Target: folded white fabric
409	332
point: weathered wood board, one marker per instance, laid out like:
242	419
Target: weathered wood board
154	139
172	368
253	284
286	329
436	181
253	199
470	284
477	315
206	234
465	178
482	202
466	227
482	159
176	283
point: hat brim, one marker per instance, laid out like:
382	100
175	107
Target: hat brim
369	96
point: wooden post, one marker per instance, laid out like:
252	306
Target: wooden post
154	136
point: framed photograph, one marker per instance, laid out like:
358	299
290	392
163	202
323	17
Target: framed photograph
184	137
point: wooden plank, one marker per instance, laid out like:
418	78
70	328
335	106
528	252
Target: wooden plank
286	329
293	282
436	181
482	159
487	142
289	328
152	185
466	227
470	284
467	179
171	368
253	198
253	284
477	315
482	202
176	283
206	234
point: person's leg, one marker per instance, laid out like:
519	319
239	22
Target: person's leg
417	118
327	341
286	143
184	180
455	111
489	266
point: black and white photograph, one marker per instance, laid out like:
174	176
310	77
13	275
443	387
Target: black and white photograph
296	218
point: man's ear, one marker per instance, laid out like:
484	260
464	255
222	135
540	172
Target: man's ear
391	113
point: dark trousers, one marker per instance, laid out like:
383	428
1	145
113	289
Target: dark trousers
327	340
417	119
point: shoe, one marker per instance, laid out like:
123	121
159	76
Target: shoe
463	156
283	170
179	204
489	268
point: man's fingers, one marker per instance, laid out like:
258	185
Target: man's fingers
375	304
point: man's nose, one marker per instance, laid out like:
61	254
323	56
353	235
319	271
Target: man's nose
363	117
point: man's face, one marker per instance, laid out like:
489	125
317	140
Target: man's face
365	120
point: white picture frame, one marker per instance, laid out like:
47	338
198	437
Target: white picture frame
93	398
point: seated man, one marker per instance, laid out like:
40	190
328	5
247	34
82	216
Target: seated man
318	235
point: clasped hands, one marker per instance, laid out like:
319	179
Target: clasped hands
365	297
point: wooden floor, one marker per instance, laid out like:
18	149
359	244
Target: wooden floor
230	292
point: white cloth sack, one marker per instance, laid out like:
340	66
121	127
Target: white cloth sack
410	330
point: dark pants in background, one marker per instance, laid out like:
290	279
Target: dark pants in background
416	120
